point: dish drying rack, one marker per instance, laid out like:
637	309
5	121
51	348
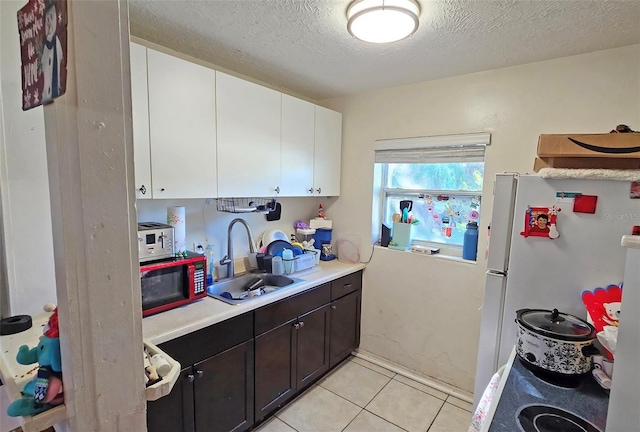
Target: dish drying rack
246	205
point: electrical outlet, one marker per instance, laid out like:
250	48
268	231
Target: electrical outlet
198	248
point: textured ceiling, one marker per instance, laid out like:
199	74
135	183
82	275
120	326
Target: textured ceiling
304	46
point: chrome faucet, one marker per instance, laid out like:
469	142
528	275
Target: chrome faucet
228	259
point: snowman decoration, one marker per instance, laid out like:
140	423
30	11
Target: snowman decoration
51	54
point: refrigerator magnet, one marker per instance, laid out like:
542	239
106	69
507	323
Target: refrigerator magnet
541	222
585	204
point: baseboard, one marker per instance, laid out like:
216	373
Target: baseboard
449	389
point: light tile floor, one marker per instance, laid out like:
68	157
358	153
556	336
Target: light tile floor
363	397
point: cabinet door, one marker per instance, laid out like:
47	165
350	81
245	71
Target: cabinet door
248	138
140	120
275	368
312	347
345	327
174	412
182	113
327	153
298	120
223	390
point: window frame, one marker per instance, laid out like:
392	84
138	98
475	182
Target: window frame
383	192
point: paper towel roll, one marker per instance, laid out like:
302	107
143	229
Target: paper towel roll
176	218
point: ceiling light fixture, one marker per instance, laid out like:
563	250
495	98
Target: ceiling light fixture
382	21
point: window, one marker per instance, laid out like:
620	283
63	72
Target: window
442	176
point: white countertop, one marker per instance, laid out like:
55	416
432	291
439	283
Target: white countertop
177	322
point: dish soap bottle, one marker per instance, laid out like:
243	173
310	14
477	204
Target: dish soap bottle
210	264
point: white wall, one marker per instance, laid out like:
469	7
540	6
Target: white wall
24	182
423	312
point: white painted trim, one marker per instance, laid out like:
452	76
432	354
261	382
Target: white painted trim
443	387
631	241
473	139
91	182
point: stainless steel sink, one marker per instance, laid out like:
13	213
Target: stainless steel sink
236	289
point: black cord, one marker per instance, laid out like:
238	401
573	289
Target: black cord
373	248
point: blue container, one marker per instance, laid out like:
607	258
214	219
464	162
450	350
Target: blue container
470	242
322	236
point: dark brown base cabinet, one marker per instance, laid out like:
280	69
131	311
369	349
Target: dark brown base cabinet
345	327
290	357
214	393
243	369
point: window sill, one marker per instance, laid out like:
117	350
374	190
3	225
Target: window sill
439	255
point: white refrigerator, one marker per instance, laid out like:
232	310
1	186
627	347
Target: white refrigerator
538	272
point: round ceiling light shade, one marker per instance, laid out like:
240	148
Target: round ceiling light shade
382	21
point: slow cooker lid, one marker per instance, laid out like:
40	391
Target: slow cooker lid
556	324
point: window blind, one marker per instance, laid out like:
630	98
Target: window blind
433	149
432	155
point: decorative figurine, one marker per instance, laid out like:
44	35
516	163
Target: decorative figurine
45	390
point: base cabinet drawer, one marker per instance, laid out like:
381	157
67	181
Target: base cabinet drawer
345	285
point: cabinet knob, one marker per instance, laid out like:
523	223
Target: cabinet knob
296	326
199	373
319	190
191	377
162	190
333	307
277	189
310	190
143	190
301	324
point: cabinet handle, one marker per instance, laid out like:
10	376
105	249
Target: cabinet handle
277	189
347	286
319	190
191	377
199	373
143	190
333	307
310	190
296	326
301	324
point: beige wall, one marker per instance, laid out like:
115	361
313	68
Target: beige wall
423	312
24	183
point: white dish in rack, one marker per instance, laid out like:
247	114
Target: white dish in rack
244	209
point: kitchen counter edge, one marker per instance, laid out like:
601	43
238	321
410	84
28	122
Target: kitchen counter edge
174	323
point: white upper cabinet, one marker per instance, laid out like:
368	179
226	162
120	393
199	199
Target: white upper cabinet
248	138
140	120
298	120
327	154
182	113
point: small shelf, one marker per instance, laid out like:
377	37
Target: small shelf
246	205
15	375
163	387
